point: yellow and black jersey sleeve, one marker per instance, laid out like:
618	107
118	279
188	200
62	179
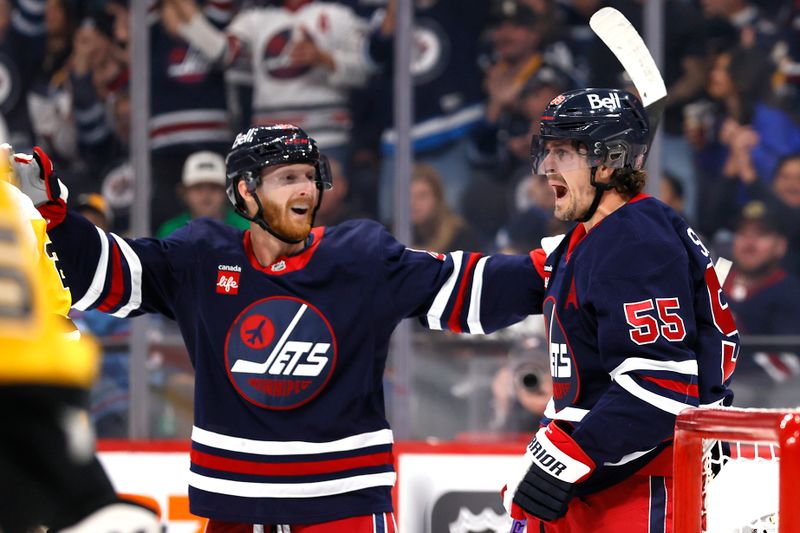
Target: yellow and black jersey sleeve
34	348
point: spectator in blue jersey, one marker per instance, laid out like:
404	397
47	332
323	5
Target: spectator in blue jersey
22	53
763	298
202	189
287	326
448	101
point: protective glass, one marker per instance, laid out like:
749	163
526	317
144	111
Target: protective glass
562	155
556	156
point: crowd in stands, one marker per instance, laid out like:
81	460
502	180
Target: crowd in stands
483	70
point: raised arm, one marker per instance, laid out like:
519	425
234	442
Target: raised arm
122	277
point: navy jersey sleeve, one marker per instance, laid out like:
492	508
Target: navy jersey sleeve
460	291
646	325
122	277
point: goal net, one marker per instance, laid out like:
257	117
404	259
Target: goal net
737	470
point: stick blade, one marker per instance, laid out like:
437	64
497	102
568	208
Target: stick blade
624	41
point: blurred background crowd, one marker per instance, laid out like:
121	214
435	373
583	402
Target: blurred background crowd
483	70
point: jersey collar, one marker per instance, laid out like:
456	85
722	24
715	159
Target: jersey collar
579	233
284	265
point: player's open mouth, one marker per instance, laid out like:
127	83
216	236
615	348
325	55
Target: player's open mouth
559	188
299	210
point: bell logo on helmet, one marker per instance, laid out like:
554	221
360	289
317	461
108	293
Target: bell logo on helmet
611	103
243	138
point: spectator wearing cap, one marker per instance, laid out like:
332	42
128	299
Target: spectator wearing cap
521	51
203	191
763	298
782	197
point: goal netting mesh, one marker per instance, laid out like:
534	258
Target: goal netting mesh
737	470
740	486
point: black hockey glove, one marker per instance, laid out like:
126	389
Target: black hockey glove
555	463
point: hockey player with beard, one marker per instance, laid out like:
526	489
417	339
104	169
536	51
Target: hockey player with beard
637	326
287	326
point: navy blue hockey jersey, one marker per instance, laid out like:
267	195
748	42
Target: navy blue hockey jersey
638	330
289	416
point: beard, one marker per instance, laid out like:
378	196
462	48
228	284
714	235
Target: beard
284	222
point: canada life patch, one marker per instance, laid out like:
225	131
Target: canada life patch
228	279
557	100
280	352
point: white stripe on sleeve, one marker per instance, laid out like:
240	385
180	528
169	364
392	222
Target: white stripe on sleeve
688	367
571	414
474	314
443	296
665	404
135	267
99	280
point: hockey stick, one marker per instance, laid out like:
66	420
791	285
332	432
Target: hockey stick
624	41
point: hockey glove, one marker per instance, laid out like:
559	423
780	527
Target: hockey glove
555	463
37	179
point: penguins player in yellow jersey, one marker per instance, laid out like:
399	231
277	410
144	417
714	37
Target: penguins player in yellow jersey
49	472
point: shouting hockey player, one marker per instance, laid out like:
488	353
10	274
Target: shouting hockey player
637	326
288	328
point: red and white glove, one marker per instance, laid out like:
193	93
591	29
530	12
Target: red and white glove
544	483
38	180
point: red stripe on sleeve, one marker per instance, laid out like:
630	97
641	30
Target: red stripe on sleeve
240	466
675	386
117	287
454	324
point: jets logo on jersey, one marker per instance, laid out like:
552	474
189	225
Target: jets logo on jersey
431	50
187	65
566	383
280	352
276	62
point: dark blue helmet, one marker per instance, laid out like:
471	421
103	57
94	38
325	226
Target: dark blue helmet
264	146
610	123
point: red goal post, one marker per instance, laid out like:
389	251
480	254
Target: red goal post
778	428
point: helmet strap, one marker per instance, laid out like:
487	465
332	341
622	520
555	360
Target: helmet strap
599	190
